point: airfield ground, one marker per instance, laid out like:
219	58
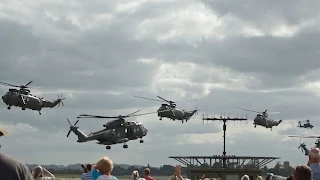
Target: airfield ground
77	176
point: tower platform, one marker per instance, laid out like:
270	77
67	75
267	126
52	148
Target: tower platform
233	169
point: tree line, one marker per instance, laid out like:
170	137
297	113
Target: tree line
167	170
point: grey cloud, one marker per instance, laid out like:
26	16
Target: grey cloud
85	62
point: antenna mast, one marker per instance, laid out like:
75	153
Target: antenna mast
224	120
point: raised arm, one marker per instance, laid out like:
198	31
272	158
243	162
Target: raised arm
48	173
177	174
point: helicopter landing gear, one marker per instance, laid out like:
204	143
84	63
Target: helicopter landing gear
141	141
182	121
23	109
8	107
125	146
160	119
39	112
108	147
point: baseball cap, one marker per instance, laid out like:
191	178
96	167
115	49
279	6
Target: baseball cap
4	132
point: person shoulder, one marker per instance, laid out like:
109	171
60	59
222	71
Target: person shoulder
11	164
106	177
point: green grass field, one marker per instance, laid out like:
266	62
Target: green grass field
78	176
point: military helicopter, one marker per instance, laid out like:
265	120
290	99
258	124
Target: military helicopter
24	99
303	146
125	130
171	111
306	125
262	119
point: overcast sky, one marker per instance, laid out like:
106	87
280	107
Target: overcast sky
253	54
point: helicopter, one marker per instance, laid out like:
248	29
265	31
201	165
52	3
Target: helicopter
110	136
126	130
171	111
303	146
306	125
24	99
262	119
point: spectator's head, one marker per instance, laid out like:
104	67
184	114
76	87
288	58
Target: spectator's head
245	177
147	172
89	167
301	173
37	172
135	174
314	155
259	178
105	166
3	133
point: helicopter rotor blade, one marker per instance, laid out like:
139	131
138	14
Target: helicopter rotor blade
95	116
305	136
148	98
76	123
166	100
248	110
133	113
70	128
28	83
116	117
148	113
69	122
7	84
274	113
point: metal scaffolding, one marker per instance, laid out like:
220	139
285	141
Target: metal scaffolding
231	162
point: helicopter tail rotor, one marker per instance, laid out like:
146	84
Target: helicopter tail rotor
60	99
196	110
71	127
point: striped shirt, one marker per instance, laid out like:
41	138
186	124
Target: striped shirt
315	170
87	176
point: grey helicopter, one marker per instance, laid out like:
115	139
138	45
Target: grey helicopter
262	119
170	110
307	125
115	132
24	99
303	145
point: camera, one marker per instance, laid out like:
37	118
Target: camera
271	176
84	168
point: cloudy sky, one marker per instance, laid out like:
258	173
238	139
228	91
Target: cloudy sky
99	54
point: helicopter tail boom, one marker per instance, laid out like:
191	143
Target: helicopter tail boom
51	104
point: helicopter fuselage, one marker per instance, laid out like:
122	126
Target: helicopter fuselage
12	98
27	101
308	125
265	121
122	134
174	113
